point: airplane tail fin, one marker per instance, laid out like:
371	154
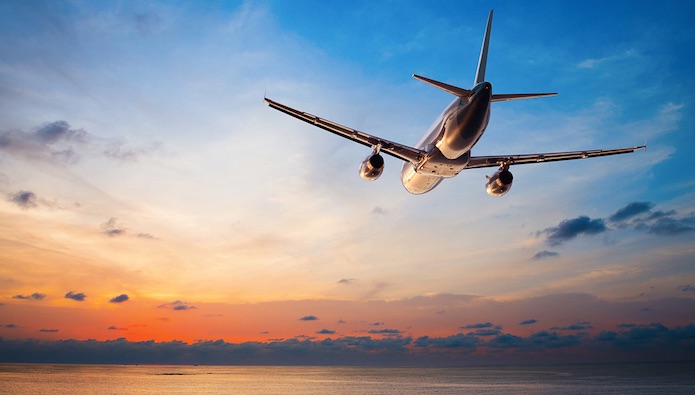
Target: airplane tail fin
482	62
480	75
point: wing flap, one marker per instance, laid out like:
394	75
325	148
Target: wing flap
477	162
400	151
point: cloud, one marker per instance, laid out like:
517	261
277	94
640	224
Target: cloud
385	332
635	215
121	152
347	281
58	141
628	55
309	318
112	228
487	332
579	326
114	328
177	305
119	299
48	330
544	254
51	141
477	326
668	226
325	332
687	288
34	296
10	326
459	341
378	211
80	297
629	342
570	228
630	211
653	335
24	199
59	131
528	322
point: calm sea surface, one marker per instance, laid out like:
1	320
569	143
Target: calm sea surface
565	379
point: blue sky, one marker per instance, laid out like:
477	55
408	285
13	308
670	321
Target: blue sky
137	158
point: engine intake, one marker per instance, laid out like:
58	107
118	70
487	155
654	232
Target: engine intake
499	183
372	167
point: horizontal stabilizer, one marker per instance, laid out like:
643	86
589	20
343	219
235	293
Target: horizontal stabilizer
519	96
454	90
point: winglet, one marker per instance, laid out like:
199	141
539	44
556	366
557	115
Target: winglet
482	62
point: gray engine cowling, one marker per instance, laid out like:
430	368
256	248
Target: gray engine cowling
372	167
499	183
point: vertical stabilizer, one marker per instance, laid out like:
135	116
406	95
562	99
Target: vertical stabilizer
480	74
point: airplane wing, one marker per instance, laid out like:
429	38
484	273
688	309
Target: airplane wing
477	162
397	150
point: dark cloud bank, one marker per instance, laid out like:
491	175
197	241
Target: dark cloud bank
628	343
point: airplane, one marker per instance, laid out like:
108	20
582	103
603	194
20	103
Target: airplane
445	149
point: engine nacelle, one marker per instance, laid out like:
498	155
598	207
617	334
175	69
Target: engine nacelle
499	183
372	167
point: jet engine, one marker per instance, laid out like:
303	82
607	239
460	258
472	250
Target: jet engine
499	183
372	167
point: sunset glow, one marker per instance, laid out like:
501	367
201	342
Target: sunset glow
148	193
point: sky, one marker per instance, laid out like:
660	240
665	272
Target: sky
154	209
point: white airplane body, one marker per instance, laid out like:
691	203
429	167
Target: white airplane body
445	150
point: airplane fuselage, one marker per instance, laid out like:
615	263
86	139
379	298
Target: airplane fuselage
448	142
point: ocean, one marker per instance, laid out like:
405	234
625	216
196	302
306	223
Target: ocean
657	378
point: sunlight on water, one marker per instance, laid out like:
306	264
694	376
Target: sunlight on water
119	379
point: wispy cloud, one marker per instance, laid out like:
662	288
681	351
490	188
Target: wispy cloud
115	328
593	63
34	296
59	142
385	332
687	288
177	305
544	255
51	141
477	326
24	199
579	326
309	318
113	228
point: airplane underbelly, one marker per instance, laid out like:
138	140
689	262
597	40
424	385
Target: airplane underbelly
417	183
